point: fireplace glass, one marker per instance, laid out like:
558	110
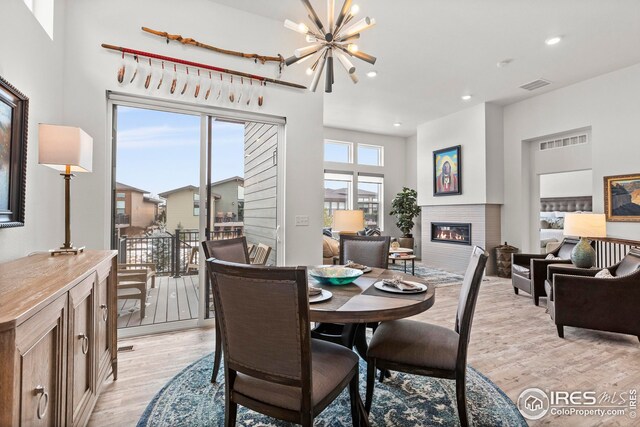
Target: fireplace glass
448	232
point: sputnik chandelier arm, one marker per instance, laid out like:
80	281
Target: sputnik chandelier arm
326	43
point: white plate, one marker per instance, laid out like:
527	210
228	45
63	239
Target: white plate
380	285
325	295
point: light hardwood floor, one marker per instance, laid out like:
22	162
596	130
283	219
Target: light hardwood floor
513	343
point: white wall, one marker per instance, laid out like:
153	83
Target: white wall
567	184
393	169
605	104
411	180
32	62
477	129
90	71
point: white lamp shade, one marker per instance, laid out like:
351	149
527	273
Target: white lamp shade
349	221
585	225
62	146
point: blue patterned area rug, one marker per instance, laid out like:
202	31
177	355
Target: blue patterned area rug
189	399
439	278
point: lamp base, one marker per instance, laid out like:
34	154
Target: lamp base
583	255
66	251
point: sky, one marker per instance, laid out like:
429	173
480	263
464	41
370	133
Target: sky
158	151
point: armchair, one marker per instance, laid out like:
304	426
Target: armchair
529	271
575	297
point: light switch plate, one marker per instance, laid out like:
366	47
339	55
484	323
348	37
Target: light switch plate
302	220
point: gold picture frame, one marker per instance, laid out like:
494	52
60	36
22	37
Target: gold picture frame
622	198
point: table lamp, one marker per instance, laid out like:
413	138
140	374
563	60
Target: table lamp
67	149
348	222
584	225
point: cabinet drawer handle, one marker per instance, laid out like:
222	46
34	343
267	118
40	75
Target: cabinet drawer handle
105	312
44	396
85	343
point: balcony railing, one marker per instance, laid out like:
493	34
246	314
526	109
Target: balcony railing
123	219
169	252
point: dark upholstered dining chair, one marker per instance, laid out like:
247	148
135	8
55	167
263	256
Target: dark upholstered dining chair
372	251
232	250
529	271
575	297
425	349
271	364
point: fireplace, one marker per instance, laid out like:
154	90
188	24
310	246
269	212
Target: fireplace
449	232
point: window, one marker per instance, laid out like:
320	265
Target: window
339	152
120	207
43	12
371	155
370	191
120	196
338	194
196	204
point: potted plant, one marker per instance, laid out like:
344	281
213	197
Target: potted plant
405	208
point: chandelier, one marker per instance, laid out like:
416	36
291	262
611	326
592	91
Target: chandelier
334	41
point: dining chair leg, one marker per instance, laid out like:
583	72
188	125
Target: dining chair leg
217	357
353	395
230	407
461	397
371	383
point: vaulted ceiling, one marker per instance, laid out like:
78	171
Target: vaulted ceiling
431	52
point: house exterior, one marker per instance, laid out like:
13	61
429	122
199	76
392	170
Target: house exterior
183	204
135	209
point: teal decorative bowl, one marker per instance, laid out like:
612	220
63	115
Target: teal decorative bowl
335	275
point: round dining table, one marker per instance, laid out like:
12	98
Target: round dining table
359	303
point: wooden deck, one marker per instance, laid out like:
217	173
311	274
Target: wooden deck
172	300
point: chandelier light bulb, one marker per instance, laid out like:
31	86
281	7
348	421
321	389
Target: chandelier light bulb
348	66
360	26
311	38
309	71
354	10
353	48
300	28
303	51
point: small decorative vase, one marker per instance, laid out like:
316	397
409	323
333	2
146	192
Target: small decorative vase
583	255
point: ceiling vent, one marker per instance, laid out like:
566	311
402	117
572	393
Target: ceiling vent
536	84
566	141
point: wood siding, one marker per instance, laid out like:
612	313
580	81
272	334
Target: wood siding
260	185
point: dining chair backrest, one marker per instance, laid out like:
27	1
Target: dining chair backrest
264	321
232	250
468	297
262	253
372	251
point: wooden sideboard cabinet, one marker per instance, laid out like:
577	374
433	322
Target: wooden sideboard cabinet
57	337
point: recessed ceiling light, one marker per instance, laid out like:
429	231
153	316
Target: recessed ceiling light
397	124
372	74
466	97
553	40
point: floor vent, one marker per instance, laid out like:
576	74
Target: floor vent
536	84
125	348
565	141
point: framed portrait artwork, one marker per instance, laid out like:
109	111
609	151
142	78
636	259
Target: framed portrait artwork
447	171
14	110
622	197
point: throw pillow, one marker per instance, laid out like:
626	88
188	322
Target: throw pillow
330	247
327	232
553	257
604	274
544	224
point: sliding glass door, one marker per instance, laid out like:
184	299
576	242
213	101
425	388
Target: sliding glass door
183	174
